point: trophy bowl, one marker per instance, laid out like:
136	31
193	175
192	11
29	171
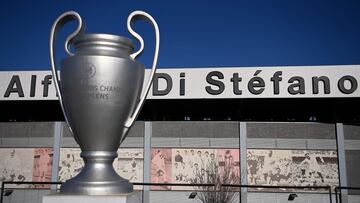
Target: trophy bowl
101	93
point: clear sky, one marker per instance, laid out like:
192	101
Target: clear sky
208	33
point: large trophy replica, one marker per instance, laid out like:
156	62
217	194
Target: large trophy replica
101	95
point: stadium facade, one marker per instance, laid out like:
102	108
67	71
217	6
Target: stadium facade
274	126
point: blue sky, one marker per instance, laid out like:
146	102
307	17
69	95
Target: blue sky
195	33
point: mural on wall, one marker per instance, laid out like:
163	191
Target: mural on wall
187	166
70	163
42	167
160	167
189	162
315	168
201	166
269	167
192	166
229	162
16	164
292	167
129	164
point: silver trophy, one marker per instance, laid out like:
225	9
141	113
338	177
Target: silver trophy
100	95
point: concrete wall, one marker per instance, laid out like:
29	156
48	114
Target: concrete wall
134	139
207	134
195	134
291	135
182	197
26	134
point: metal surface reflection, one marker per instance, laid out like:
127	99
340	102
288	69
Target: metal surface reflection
101	95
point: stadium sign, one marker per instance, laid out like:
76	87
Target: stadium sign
207	83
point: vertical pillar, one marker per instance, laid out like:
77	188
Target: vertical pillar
243	163
58	131
147	161
341	160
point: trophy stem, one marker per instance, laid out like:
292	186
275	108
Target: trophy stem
98	176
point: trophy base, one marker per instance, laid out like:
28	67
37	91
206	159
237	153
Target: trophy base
98	177
96	188
84	198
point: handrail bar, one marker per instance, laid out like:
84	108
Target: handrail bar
338	189
191	185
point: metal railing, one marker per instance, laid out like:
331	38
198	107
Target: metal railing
4	188
24	183
328	189
337	190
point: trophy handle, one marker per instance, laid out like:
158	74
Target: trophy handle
58	24
134	16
